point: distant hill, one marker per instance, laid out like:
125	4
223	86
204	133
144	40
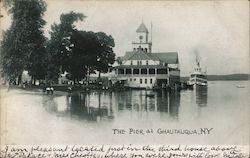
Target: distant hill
223	77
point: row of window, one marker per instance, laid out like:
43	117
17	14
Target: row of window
143	71
199	80
142	49
139	62
145	80
200	76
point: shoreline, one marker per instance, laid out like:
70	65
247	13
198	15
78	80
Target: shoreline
62	89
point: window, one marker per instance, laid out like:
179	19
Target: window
143	71
131	62
151	80
151	71
130	79
146	81
146	62
120	71
140	81
134	79
138	62
146	50
161	71
128	71
136	71
201	76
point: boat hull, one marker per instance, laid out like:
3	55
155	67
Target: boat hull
200	85
192	85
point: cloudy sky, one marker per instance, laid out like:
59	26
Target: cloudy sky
217	30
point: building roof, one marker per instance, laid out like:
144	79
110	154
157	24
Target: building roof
142	28
140	55
167	57
127	55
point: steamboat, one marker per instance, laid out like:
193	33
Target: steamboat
198	78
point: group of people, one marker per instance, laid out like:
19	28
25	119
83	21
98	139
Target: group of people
48	88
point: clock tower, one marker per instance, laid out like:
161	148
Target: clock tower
142	43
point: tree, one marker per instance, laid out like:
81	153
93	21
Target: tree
106	56
83	56
23	42
91	51
119	60
59	46
77	52
12	63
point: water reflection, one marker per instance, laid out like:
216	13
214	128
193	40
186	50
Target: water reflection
201	96
93	106
174	104
149	101
56	105
99	105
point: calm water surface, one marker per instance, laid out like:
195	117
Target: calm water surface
91	117
202	103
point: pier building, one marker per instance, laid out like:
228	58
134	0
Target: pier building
143	68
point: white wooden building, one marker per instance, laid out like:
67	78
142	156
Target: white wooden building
142	68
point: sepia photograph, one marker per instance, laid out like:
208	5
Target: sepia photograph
134	75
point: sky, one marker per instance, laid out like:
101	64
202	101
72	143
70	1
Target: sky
218	31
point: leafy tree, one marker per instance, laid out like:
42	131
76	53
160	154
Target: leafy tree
91	51
119	60
83	55
78	52
11	62
105	55
59	46
24	42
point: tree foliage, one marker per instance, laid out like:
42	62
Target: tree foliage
91	51
59	46
11	62
83	53
23	43
78	52
119	60
105	55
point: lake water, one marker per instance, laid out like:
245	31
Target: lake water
138	116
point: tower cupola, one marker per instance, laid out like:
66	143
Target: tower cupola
142	28
142	43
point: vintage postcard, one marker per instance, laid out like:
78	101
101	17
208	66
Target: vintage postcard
155	79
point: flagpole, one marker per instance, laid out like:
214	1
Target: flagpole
151	35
